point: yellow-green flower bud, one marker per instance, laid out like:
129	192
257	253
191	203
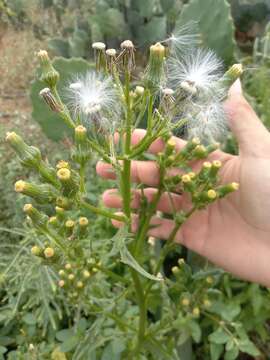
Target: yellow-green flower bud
216	165
209	280
185	302
170	147
211	194
155	72
71	277
181	262
81	152
189	147
61	273
86	274
175	270
196	312
80	285
53	221
62	164
38	219
64	203
36	250
41	193
231	75
68	266
48	73
69	184
69	227
200	152
227	189
60	212
49	252
29	155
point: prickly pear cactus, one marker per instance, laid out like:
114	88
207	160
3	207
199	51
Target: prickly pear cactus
50	122
215	24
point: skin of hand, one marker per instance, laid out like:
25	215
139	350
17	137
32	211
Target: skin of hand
234	232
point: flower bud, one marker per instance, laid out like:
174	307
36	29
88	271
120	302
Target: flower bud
38	219
155	72
71	277
216	165
53	221
69	185
209	280
48	73
36	250
196	312
64	203
139	90
231	75
61	283
175	270
80	285
49	252
227	189
211	194
82	150
185	302
60	212
41	193
61	273
69	227
188	148
207	303
29	155
181	262
50	100
86	274
200	152
68	266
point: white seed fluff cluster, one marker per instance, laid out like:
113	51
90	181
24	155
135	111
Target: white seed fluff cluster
93	96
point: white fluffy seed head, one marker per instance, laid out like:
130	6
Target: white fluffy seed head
200	69
98	45
184	37
207	121
94	97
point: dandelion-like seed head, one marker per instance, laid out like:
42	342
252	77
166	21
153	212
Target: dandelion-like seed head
184	37
208	121
199	70
94	97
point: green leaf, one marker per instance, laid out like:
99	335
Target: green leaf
216	350
215	25
219	336
153	31
69	344
128	259
230	311
64	334
29	319
195	331
248	347
3	350
231	354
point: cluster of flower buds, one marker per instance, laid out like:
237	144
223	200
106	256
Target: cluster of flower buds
74	279
81	153
202	185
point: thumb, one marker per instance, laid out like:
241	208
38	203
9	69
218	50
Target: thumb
252	136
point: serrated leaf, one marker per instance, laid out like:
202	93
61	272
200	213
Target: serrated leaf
217	30
120	240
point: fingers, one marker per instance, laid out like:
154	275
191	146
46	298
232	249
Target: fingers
253	138
168	203
158	145
145	172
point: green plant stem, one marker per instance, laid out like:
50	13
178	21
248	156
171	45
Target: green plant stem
82	177
65	115
113	275
102	212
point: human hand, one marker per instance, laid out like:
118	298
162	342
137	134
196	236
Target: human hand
233	233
